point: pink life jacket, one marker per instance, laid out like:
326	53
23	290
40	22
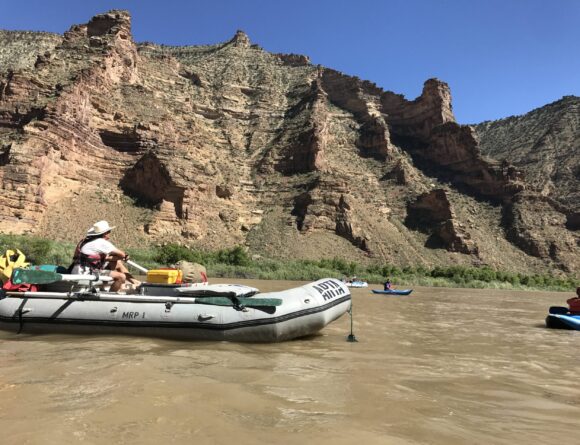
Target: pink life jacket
93	262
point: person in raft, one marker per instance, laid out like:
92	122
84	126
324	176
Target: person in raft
95	253
387	284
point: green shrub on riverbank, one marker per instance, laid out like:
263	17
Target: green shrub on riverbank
236	263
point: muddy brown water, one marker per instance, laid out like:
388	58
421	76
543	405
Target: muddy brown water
441	366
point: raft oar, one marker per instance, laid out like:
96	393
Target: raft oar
82	296
137	266
30	276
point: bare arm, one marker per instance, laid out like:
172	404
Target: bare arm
116	255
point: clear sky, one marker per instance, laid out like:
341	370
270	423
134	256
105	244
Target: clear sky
500	57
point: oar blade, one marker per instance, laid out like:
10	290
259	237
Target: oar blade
250	302
259	302
29	276
214	301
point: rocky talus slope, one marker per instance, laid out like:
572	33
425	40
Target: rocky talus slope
228	144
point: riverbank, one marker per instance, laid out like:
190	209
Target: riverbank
237	263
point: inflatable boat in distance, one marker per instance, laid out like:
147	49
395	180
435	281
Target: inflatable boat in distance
392	291
562	318
191	312
357	284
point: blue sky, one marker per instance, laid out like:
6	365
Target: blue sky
500	57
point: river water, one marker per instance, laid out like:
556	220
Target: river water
441	366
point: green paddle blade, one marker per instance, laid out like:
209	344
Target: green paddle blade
250	302
29	276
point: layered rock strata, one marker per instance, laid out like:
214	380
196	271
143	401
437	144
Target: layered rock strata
433	214
545	145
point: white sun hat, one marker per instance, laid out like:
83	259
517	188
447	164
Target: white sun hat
99	228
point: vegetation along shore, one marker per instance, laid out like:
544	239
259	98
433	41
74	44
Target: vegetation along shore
237	263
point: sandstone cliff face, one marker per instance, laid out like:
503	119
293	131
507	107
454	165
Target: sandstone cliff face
545	144
47	116
433	213
228	144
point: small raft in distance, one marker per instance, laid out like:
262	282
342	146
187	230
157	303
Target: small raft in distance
357	283
561	318
393	291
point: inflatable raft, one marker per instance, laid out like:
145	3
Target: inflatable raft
561	318
393	291
191	312
357	284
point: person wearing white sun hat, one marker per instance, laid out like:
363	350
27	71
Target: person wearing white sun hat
96	253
